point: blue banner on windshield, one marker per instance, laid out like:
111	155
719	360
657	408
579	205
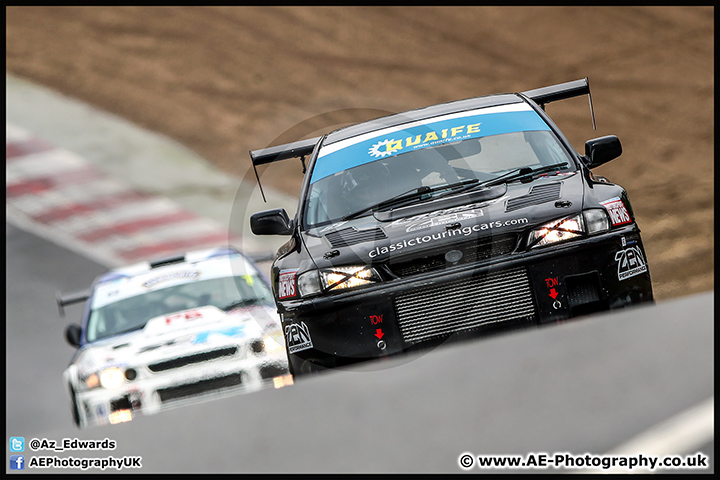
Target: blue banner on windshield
431	134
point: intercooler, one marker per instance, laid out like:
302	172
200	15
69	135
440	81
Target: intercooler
440	310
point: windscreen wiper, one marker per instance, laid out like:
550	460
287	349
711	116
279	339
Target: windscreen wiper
512	175
523	172
413	194
127	330
240	303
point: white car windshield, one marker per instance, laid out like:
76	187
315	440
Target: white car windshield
132	313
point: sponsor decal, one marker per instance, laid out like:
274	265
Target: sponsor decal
464	231
445	135
551	283
630	262
286	284
376	145
298	337
234	331
189	315
169	276
440	217
617	211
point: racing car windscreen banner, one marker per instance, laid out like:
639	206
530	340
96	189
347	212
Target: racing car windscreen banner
366	148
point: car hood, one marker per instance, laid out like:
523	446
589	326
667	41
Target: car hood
499	213
178	334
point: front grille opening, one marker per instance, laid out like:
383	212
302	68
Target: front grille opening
190	359
197	388
271	371
584	294
475	251
122	403
465	305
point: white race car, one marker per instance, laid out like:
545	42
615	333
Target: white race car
164	333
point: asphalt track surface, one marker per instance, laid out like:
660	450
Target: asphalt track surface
583	387
590	386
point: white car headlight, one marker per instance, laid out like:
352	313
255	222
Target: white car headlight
587	223
272	345
337	278
92	381
112	377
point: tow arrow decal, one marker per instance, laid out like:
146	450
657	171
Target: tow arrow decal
379	333
553	294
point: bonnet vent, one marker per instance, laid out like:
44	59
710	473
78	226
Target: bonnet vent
352	236
538	194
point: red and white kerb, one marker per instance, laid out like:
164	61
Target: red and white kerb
62	192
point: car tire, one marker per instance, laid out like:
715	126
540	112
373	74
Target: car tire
74	407
311	366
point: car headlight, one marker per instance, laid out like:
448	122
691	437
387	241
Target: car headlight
587	223
112	377
337	278
271	345
596	221
92	381
308	283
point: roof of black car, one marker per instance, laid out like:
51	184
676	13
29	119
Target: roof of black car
420	114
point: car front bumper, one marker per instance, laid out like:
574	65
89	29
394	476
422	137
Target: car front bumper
544	286
160	391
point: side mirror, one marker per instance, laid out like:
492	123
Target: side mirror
271	222
72	334
601	150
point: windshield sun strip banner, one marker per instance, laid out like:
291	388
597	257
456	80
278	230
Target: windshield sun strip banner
126	287
515	107
433	132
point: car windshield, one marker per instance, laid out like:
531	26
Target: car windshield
345	193
132	313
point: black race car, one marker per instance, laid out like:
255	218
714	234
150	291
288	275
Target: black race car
450	221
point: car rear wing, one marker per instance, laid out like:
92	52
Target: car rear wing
299	149
562	91
69	299
302	148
